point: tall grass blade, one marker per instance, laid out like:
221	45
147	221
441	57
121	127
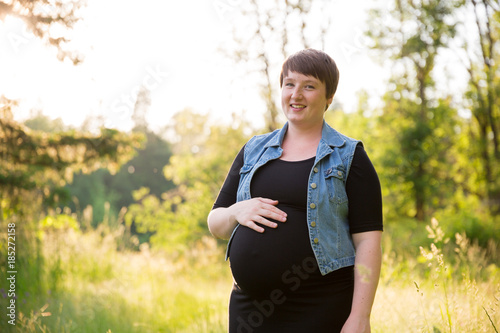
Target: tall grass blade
491	321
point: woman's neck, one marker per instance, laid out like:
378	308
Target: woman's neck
300	143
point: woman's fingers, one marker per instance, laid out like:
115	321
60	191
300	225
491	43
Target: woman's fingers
256	222
264	221
254	226
271	211
255	213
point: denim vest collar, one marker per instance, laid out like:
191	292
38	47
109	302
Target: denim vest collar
329	137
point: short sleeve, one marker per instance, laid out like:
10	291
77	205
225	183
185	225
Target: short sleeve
227	194
364	194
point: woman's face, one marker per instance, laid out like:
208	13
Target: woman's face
303	99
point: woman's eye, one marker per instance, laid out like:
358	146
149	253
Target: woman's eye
289	85
309	87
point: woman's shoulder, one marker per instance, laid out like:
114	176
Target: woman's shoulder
334	134
263	139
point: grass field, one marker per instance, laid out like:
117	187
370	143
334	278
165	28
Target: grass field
80	282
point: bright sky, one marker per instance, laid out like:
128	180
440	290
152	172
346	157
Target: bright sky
171	47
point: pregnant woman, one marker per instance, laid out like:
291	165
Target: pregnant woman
302	210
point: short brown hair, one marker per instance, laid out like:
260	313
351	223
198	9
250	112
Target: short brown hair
315	63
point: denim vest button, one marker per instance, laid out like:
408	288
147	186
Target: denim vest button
316	240
312	206
313	185
315	170
339	173
313	223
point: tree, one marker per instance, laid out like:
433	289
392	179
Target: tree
40	122
46	19
483	97
41	163
102	189
412	34
272	30
141	108
35	165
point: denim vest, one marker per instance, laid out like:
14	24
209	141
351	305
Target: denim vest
327	205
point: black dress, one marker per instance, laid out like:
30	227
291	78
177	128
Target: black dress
278	286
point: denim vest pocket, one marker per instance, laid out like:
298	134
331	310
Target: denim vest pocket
334	178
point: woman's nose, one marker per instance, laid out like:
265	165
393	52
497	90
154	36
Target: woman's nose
296	93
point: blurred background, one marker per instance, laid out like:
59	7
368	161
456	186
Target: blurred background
120	120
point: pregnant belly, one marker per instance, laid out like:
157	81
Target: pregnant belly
279	258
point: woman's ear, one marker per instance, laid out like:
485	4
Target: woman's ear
329	102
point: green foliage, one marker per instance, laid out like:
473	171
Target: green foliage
92	190
91	287
203	155
419	155
441	160
38	162
60	221
480	228
421	127
40	122
102	188
34	166
483	99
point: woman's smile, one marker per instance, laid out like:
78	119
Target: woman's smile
298	107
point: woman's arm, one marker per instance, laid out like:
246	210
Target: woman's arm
227	213
250	213
366	276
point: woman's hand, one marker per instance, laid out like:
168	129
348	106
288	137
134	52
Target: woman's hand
356	325
255	212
